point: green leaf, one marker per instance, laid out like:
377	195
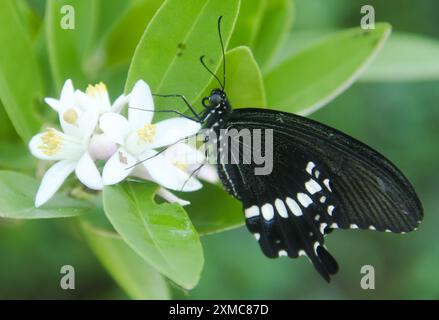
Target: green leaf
29	17
121	41
110	13
68	47
167	57
248	23
314	76
213	210
162	234
7	131
244	85
138	279
406	57
18	60
275	26
299	40
18	195
15	156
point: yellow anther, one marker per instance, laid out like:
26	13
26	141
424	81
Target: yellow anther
96	89
70	116
51	142
146	133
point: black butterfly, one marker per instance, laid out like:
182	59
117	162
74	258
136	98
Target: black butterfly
322	179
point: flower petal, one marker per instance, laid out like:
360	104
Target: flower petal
87	123
183	153
35	148
118	167
55	145
70	128
67	92
171	198
52	180
163	172
172	130
104	102
114	126
120	102
208	173
84	100
88	173
140	98
53	103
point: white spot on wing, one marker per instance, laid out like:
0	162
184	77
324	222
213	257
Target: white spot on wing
312	186
353	226
251	212
326	182
309	167
282	253
294	207
257	236
281	209
304	199
322	227
267	211
316	245
372	228
330	209
322	199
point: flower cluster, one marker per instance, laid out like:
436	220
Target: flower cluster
93	129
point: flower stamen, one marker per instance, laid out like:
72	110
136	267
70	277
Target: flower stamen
51	142
146	133
96	90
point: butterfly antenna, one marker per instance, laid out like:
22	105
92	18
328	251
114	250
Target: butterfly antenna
210	71
223	51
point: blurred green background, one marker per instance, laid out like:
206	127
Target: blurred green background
398	119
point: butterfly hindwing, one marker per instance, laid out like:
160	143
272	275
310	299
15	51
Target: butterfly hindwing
321	179
288	210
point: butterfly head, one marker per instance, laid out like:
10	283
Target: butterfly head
216	99
216	106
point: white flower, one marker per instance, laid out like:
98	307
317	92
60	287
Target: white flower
186	157
70	149
138	138
190	159
72	104
171	198
97	97
68	108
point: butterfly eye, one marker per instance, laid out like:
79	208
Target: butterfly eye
215	99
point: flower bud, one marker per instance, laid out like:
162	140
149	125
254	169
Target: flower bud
101	148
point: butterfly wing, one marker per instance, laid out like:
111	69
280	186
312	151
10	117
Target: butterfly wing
321	179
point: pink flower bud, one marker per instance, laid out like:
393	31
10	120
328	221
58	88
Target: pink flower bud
101	148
